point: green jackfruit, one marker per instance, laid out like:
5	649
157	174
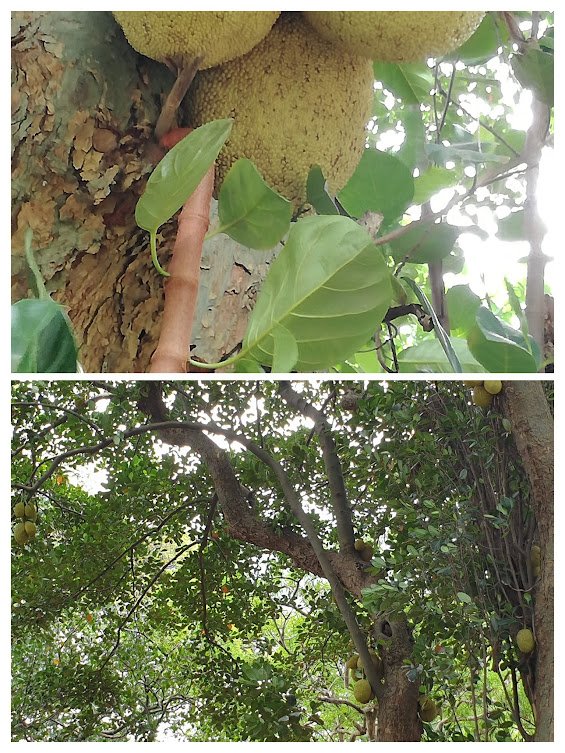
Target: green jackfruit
535	560
377	661
362	691
396	36
525	640
493	387
481	397
19	510
359	545
297	101
367	553
20	534
30	511
215	37
351	663
30	528
428	709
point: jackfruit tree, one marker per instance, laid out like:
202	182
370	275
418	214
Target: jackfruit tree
356	184
197	580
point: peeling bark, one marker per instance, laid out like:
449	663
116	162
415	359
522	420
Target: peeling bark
84	108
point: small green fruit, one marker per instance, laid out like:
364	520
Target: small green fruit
362	691
493	387
19	510
481	397
30	528
30	511
20	534
428	709
525	640
351	663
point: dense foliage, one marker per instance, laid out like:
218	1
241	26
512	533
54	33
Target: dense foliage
137	617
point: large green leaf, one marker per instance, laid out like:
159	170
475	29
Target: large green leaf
329	288
433	180
410	82
535	70
42	338
462	305
249	210
500	348
317	192
425	243
381	183
483	44
429	357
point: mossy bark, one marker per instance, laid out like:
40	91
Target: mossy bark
84	107
526	406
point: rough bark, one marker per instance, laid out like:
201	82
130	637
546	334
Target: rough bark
526	407
84	108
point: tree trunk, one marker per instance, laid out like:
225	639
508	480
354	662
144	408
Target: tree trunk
84	106
526	406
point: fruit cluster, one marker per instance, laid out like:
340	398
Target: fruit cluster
25	529
484	392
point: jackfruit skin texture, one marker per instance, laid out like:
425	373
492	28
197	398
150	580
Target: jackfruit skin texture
396	36
213	36
297	101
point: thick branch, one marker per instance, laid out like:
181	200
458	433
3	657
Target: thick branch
332	464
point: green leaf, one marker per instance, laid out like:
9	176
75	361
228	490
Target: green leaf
410	82
511	228
535	70
468	153
247	366
329	287
462	305
381	183
462	596
42	338
439	331
285	352
499	348
433	180
317	193
249	210
424	243
177	176
483	44
429	357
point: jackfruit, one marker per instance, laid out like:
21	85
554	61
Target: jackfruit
367	553
535	560
20	534
19	510
481	397
351	663
363	691
377	661
396	36
525	640
428	709
359	545
30	528
215	37
493	387
296	100
30	511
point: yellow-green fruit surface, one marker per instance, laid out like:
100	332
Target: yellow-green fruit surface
20	534
30	528
19	510
525	640
471	383
30	511
297	101
359	545
493	387
428	709
362	691
481	397
396	36
215	37
351	663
